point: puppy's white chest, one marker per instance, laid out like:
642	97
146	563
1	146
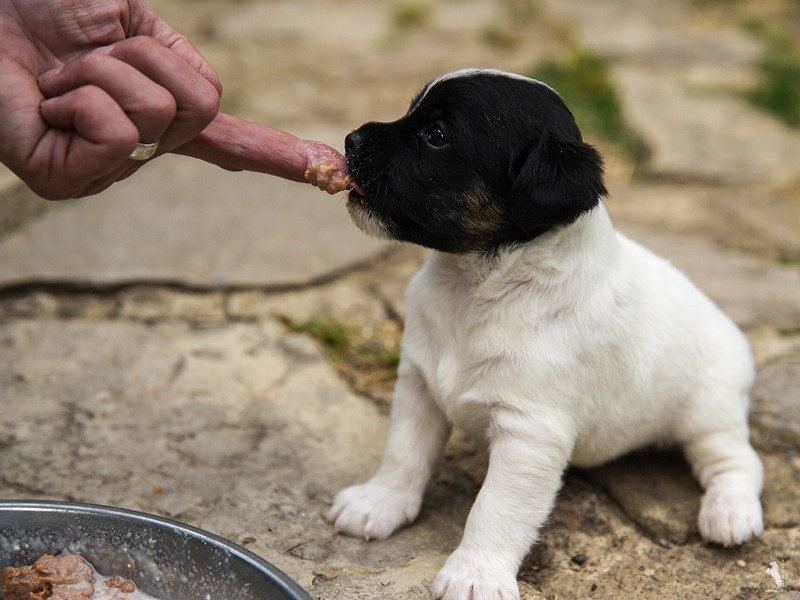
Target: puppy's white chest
452	363
451	377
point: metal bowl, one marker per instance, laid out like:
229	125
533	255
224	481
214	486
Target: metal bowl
166	559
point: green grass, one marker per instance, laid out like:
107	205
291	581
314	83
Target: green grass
410	14
19	207
515	19
522	11
498	36
334	337
369	363
778	88
385	358
582	78
789	331
719	3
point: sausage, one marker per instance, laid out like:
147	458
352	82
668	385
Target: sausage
238	145
326	168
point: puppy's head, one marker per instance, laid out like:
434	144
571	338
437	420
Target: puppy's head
482	159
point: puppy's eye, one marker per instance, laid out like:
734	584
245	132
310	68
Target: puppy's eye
435	136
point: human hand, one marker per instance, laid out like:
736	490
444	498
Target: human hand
83	81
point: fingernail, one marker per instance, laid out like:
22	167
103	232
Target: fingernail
104	49
48	75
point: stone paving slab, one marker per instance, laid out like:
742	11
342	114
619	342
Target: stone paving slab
667	58
714	141
183	221
669	38
755	220
776	404
751	291
245	429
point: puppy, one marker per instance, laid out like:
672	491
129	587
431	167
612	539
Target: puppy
536	326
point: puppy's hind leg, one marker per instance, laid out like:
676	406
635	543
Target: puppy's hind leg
732	475
393	497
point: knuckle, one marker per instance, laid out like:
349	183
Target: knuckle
91	63
207	105
153	108
126	139
163	106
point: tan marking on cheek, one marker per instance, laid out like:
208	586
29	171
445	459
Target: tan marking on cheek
482	213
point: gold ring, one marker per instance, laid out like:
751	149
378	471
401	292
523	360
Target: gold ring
143	151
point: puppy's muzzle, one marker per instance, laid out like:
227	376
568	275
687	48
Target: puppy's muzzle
353	142
353	145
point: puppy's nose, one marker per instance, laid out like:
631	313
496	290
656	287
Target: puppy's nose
353	141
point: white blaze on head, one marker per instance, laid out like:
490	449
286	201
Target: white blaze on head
472	72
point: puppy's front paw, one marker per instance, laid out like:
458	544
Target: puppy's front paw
468	576
373	510
729	518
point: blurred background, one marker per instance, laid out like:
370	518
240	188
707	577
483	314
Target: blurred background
216	327
704	94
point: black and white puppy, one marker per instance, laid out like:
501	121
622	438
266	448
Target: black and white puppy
535	326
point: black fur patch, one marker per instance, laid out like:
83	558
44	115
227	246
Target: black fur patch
481	160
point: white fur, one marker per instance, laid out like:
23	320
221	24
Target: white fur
469	72
573	348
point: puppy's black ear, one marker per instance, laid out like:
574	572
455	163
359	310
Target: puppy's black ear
555	182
